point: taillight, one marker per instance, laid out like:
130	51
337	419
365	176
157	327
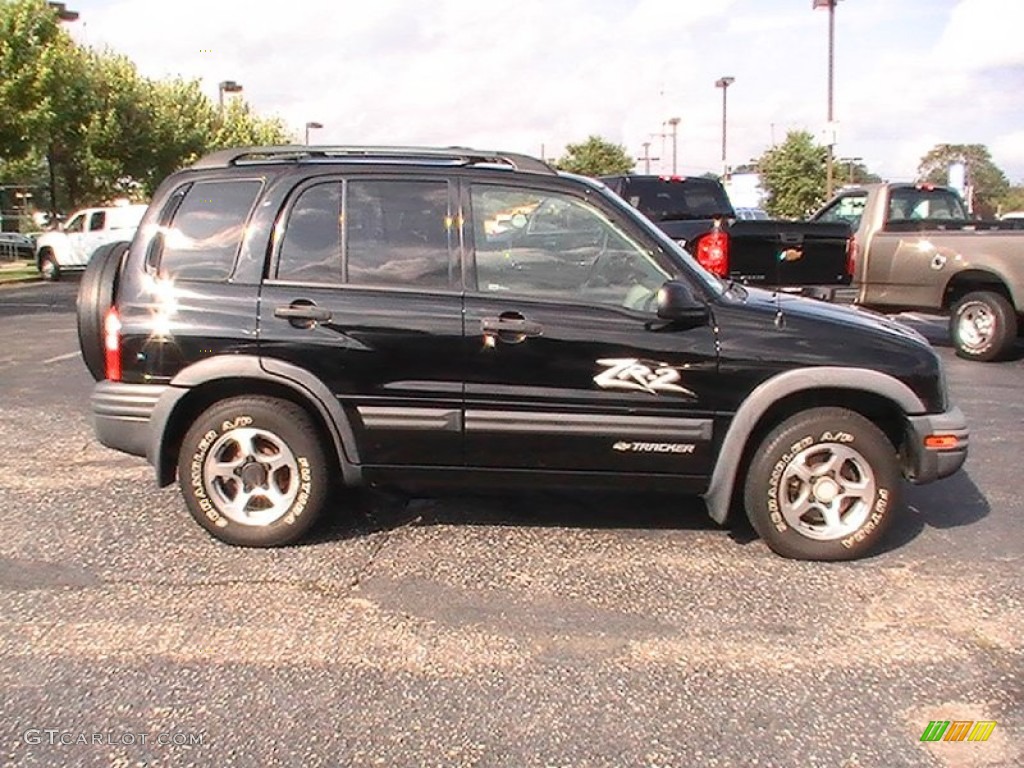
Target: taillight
112	345
851	255
713	252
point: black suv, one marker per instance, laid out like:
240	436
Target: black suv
288	317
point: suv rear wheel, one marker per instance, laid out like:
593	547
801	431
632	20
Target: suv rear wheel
823	486
253	471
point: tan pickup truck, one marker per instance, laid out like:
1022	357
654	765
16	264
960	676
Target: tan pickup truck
918	249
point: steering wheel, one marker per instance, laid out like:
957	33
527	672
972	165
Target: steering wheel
597	264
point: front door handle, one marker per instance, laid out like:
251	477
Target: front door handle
303	315
510	327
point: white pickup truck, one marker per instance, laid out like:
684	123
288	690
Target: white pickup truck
70	247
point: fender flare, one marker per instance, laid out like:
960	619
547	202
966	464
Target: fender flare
222	367
719	495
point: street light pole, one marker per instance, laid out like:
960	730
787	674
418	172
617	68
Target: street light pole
831	5
63	14
226	86
674	122
724	83
316	126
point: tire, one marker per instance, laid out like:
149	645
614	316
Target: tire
265	447
96	294
49	268
810	465
983	326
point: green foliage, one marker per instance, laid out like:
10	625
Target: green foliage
989	182
793	174
105	130
595	157
1013	200
844	173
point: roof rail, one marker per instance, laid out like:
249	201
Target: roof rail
298	153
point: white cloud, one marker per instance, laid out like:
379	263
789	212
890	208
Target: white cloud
517	76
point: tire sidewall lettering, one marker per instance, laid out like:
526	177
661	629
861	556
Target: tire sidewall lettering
199	488
778	469
878	513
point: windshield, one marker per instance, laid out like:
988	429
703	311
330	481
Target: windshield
676	199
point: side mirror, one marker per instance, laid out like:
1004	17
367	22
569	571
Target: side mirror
677	302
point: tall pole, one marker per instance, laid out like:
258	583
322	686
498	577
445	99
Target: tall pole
724	83
674	122
830	183
312	125
63	14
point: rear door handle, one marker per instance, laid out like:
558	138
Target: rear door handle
302	315
303	312
510	327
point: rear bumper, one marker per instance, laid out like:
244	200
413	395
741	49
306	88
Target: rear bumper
923	464
122	414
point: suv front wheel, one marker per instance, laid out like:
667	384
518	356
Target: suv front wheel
253	471
823	485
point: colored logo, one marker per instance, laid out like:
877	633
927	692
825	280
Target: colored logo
958	730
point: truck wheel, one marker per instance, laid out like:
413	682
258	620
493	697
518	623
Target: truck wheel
823	486
253	471
983	326
49	268
96	294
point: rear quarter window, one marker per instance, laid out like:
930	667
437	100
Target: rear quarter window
202	239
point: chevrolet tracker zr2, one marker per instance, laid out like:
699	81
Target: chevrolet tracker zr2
291	319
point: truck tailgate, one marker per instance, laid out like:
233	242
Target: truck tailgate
788	253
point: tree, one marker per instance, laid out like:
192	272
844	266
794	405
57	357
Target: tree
856	172
793	174
87	126
1013	200
595	157
988	182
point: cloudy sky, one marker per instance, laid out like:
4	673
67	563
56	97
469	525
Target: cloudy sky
519	76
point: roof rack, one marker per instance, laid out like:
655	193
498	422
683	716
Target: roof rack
459	156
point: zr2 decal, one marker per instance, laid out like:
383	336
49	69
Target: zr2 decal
641	375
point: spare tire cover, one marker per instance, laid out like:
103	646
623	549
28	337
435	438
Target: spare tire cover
96	295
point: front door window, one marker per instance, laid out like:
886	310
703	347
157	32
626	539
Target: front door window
548	245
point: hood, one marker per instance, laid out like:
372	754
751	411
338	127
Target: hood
844	315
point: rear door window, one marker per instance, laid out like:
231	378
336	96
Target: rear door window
311	245
398	233
202	239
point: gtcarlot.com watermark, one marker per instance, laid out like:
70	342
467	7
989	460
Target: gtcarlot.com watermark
59	737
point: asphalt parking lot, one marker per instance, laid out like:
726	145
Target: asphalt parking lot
548	630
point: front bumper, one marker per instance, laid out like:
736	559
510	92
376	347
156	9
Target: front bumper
924	464
122	414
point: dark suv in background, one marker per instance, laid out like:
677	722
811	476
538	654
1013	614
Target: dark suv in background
287	317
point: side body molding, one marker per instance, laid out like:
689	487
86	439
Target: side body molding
227	367
723	480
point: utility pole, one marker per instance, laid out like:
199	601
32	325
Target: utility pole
830	158
647	158
724	83
674	122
